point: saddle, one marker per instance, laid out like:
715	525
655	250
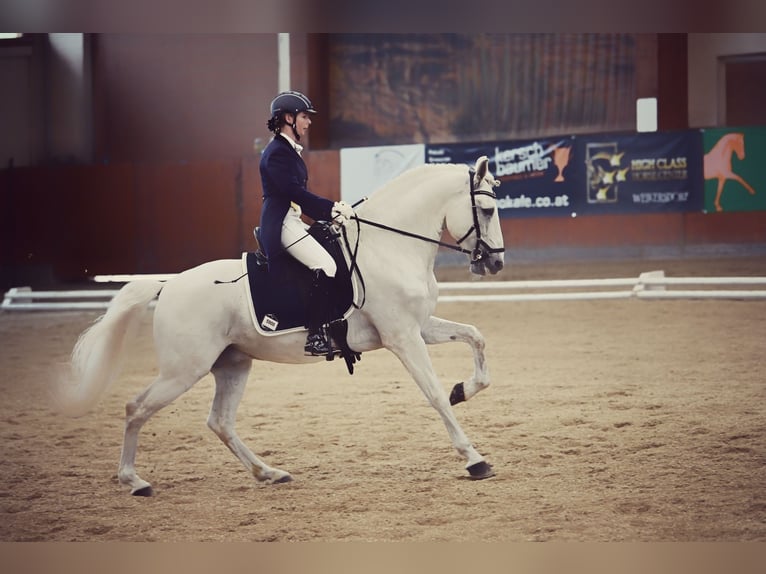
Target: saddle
280	296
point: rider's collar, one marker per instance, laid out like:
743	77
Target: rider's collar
296	146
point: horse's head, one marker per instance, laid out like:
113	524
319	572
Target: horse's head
474	220
738	145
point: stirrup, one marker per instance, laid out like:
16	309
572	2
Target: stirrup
317	345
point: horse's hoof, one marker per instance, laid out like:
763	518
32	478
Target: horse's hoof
284	479
480	470
145	491
457	395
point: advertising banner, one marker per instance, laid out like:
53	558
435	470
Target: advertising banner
534	174
641	172
584	175
733	167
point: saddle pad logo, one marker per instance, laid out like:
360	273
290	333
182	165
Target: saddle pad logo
270	323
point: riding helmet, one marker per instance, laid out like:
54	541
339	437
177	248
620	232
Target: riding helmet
291	102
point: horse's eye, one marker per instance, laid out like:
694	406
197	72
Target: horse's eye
487	211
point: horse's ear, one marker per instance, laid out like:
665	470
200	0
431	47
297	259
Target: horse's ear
481	168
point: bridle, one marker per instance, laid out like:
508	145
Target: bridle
480	251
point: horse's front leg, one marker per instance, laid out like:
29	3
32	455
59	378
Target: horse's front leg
437	331
413	354
719	191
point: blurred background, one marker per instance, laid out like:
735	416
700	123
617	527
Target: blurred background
138	153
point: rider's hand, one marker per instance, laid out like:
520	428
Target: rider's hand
342	212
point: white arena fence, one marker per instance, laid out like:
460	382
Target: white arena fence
647	286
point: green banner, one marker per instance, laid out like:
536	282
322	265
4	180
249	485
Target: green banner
735	179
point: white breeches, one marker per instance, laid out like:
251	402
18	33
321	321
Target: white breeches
303	247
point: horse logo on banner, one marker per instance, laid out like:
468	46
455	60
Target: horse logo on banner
718	164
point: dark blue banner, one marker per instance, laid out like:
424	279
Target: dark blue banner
641	173
582	175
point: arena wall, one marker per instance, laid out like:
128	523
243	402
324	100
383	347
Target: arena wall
67	223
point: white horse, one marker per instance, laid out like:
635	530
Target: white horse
202	325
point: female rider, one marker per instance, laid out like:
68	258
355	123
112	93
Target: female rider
284	177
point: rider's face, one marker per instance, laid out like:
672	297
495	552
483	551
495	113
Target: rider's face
302	123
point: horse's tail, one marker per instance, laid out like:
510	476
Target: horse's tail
95	358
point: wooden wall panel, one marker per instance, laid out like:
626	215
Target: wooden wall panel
324	173
604	231
98	232
725	228
250	202
188	214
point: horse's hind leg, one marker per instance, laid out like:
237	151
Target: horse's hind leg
437	331
231	371
163	391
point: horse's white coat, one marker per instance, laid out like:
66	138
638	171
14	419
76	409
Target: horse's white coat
202	327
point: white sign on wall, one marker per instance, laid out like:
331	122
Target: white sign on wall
646	115
365	169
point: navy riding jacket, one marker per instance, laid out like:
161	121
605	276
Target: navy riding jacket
284	178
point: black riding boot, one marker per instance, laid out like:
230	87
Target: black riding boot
319	309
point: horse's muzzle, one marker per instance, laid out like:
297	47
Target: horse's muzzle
492	263
494	266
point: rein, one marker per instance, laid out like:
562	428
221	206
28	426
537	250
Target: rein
414	235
